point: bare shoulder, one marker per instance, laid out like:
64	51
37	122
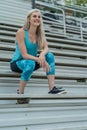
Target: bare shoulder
20	33
21	30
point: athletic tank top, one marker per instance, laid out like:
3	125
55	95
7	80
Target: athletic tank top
31	48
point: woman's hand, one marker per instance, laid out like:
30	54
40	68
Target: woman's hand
42	60
39	61
43	63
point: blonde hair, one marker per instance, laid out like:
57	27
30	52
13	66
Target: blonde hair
40	31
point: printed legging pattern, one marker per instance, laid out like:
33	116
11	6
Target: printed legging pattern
27	66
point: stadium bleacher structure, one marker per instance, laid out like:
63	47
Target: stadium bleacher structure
43	112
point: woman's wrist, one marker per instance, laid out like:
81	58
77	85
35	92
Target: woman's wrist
44	52
36	59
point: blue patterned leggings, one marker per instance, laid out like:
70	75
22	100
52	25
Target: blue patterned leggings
28	66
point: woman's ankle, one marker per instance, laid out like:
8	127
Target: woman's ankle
20	92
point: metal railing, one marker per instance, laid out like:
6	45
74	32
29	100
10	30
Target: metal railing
33	4
49	6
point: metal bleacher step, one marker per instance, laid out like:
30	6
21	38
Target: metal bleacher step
39	74
59	60
35	99
67	46
68	41
57	52
44	97
48	114
51	45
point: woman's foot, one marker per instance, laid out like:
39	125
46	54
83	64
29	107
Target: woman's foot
22	101
56	90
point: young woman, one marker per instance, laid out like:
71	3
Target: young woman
29	40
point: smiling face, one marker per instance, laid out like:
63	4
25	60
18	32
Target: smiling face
35	19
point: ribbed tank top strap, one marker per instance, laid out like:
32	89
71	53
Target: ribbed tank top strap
26	33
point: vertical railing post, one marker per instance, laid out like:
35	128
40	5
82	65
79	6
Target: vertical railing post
81	29
64	22
33	4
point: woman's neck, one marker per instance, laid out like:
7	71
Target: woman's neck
32	30
32	34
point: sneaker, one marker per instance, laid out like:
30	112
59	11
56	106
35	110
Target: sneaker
22	101
56	90
58	87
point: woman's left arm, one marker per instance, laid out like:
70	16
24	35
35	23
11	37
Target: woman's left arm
45	49
43	62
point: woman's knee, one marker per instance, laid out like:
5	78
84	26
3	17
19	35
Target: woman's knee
50	56
30	65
